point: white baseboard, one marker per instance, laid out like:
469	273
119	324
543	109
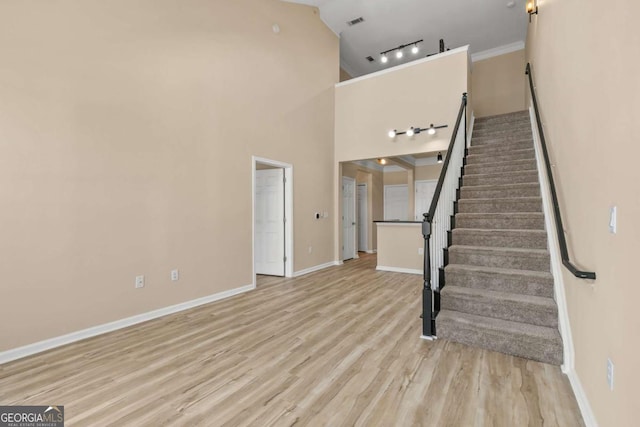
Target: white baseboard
30	349
375	251
315	268
583	403
399	270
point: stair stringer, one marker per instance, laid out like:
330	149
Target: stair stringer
564	326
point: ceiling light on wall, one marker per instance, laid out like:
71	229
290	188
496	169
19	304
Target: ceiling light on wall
415	49
415	130
439	158
532	8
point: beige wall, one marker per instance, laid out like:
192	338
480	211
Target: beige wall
395	178
428	172
399	244
120	125
427	92
586	68
499	84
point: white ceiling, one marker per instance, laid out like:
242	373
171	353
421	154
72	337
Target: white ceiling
482	24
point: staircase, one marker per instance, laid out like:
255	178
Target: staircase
498	291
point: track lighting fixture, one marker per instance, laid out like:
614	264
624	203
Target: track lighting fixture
439	158
400	51
431	130
382	161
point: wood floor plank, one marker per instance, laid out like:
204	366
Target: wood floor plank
338	347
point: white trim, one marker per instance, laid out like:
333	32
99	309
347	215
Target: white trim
367	217
564	326
399	270
288	212
472	122
428	338
497	51
374	251
315	268
581	397
28	350
556	264
406	65
400	223
355	205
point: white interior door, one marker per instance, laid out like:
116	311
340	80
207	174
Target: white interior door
396	202
348	218
269	227
424	194
363	221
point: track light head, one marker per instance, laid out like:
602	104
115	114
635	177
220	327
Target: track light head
399	54
392	133
384	59
432	130
410	132
415	49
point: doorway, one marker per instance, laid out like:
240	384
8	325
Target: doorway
348	218
272	204
363	222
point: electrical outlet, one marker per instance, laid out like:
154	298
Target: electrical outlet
139	282
420	251
610	374
175	275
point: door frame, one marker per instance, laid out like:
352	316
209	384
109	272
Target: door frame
355	229
366	210
288	212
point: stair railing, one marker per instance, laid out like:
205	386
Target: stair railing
564	252
437	222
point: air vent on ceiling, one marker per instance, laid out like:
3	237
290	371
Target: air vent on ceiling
355	21
370	58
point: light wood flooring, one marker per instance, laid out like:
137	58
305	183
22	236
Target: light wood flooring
332	348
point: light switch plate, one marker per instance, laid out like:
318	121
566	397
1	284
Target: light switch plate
613	220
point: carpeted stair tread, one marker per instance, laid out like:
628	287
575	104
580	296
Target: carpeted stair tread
495	204
512	220
519	339
500	167
526	189
524	154
511	306
529	239
537	283
501	177
501	257
500	149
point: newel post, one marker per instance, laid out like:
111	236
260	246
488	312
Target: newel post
427	293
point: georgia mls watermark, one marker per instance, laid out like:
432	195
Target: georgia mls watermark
31	416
